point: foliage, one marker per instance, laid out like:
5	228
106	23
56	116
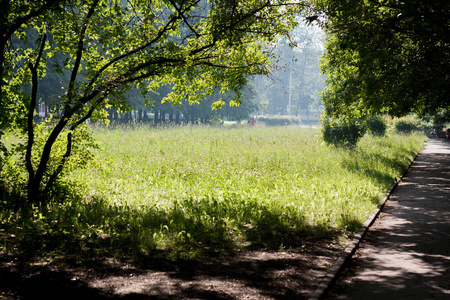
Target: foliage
386	56
221	108
343	132
13	175
197	47
279	120
405	126
14	15
376	125
434	125
215	190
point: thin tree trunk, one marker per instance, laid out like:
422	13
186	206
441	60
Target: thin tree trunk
68	153
33	185
302	85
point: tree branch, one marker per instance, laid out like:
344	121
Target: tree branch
32	108
80	50
68	152
19	21
166	28
181	13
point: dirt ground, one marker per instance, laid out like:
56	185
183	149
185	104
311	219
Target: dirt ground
292	274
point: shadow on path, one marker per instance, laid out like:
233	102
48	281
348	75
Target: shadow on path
406	252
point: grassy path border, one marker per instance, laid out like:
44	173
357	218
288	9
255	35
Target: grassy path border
333	273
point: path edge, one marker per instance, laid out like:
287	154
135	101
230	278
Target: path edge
333	273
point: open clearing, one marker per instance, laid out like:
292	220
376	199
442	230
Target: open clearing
200	213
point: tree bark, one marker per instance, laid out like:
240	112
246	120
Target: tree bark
33	186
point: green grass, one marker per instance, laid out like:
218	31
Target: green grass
192	191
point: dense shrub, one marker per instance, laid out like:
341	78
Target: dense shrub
376	125
343	133
279	120
434	125
405	126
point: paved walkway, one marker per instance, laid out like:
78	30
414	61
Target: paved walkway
406	252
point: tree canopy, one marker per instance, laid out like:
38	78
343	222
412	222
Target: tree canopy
386	56
104	47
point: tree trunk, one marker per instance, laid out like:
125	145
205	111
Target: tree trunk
302	84
144	116
34	191
34	176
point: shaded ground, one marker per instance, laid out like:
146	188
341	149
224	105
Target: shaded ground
406	253
280	274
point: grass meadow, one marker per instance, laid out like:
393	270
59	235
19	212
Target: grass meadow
196	190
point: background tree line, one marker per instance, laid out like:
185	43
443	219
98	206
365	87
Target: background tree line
293	88
296	81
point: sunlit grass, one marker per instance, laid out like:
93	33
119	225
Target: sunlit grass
190	190
288	171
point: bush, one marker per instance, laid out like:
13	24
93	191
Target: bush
434	125
280	120
343	133
405	126
376	125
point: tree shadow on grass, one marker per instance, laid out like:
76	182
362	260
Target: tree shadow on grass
81	229
65	250
360	164
45	250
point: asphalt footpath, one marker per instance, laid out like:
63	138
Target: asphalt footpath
405	253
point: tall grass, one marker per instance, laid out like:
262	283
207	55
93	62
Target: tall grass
193	190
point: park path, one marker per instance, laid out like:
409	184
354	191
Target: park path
406	252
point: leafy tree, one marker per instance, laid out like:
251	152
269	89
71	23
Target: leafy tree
197	46
14	15
234	112
386	56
